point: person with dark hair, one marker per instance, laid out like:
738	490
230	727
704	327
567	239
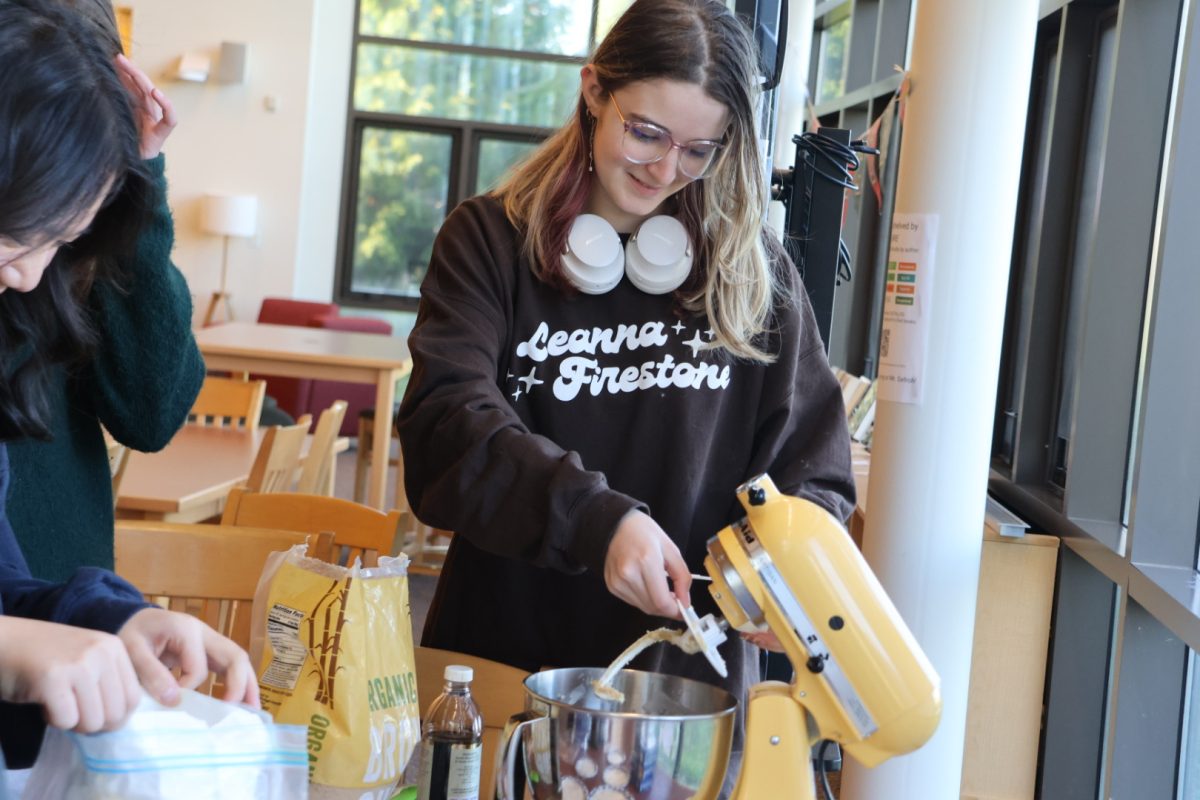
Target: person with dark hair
72	654
606	347
144	371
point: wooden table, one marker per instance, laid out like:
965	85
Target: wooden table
189	479
244	347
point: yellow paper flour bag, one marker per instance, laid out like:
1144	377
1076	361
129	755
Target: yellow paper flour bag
334	652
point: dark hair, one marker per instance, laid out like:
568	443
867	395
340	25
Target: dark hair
101	14
69	138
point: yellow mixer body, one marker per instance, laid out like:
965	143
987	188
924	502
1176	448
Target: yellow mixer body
791	568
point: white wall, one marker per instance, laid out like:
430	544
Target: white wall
228	140
324	142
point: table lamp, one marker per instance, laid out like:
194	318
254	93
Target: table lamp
227	216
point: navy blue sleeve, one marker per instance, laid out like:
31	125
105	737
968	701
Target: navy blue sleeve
92	598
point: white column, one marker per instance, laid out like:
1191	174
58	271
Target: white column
793	94
960	160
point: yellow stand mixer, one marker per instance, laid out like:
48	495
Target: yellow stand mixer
860	678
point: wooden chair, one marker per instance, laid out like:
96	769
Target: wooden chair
358	530
118	457
208	571
420	540
427	547
317	475
362	460
278	458
228	402
497	690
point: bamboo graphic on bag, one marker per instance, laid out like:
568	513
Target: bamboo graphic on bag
325	652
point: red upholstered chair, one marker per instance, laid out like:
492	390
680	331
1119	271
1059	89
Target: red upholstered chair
292	394
358	396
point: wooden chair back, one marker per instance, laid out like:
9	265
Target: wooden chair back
317	474
358	530
278	458
426	546
208	571
228	402
363	462
497	690
118	457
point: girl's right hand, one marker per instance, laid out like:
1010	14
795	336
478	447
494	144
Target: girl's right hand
82	679
640	558
155	114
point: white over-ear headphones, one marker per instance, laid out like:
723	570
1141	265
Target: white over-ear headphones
657	259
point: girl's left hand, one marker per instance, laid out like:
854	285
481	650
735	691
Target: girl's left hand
155	114
158	640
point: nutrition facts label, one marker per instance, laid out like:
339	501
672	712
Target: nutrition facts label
283	631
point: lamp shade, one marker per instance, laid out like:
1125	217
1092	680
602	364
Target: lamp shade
229	214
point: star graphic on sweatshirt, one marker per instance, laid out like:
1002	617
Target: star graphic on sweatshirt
530	380
696	343
678	327
517	394
709	333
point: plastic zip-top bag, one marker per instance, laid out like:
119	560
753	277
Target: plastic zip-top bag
333	649
201	749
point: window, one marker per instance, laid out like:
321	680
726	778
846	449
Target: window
446	96
1095	439
1070	105
1083	234
831	59
1081	261
851	78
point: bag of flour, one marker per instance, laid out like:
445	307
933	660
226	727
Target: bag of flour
334	652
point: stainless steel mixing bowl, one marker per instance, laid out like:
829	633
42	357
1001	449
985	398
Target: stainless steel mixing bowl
668	740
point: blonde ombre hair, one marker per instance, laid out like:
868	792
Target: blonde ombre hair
734	280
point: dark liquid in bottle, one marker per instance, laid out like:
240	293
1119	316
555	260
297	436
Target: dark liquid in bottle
443	745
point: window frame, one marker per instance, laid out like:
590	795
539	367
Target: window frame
466	137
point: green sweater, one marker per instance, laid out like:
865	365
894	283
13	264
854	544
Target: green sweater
139	384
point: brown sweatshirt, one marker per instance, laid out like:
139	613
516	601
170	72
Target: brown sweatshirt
534	421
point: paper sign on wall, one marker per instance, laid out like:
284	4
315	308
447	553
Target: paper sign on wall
906	308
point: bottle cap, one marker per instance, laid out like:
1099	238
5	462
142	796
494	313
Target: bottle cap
459	674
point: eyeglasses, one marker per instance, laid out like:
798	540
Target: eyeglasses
646	143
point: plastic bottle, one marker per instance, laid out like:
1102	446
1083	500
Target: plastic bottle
451	742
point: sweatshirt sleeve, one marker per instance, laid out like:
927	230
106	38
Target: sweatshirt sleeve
471	465
147	369
801	437
92	598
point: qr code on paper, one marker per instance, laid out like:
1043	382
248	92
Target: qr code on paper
886	344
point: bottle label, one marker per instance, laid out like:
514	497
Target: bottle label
463	780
